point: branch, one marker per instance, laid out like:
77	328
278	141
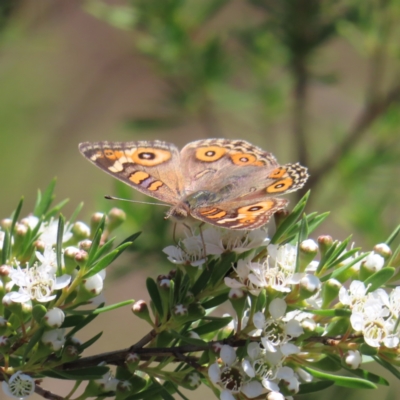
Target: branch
370	114
46	394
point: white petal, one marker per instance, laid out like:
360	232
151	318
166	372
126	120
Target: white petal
277	308
62	282
289	348
252	389
259	320
226	395
253	350
214	373
228	354
248	368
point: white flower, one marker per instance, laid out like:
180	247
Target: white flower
230	377
246	272
108	383
276	333
55	339
355	297
19	386
48	259
48	232
36	283
190	251
218	241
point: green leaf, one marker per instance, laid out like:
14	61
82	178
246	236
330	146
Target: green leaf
327	364
314	386
101	309
89	342
222	267
379	278
81	325
390	367
15	215
345	267
154	293
56	209
212	326
261	300
202	280
33	340
314	223
130	239
72	320
96	241
215	301
188	340
359	372
82	374
291	219
344	381
59	248
147	394
337	312
392	236
43	202
107	260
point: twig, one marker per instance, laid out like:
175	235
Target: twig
46	394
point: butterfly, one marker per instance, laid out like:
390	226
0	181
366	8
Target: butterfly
227	183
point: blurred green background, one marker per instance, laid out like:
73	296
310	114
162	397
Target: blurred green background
310	81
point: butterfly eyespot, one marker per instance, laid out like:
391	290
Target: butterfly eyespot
280	186
150	157
146	156
109	154
243	159
255	208
277	173
210	153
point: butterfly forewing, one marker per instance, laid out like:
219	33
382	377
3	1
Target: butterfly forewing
150	167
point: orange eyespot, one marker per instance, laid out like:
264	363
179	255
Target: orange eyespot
255	209
280	186
243	158
150	157
110	154
277	173
210	153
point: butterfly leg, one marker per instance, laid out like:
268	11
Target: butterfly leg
203	242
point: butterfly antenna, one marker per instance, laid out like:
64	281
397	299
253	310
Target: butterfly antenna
108	197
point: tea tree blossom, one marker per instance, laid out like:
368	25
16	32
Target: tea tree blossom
37	283
276	333
19	386
231	378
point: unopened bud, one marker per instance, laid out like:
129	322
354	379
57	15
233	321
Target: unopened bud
324	243
116	217
383	250
80	230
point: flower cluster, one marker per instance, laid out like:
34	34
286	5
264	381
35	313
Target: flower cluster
47	273
282	297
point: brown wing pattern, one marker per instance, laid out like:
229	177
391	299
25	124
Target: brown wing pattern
152	167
